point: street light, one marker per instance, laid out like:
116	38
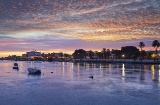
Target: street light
153	55
123	56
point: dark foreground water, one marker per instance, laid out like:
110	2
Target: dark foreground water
69	84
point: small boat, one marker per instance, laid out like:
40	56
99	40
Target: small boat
15	66
34	71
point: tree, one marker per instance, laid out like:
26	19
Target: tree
104	53
91	54
141	45
156	44
108	53
79	54
129	51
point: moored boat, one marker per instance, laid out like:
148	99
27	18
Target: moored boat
15	66
34	71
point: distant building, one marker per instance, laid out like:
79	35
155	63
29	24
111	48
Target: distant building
96	55
33	55
89	54
116	54
13	57
24	55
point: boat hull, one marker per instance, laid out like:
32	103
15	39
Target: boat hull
15	67
34	71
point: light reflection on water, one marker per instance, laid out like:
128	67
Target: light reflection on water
69	84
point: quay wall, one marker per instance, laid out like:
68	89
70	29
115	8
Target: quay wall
118	61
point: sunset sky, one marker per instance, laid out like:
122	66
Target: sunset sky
66	25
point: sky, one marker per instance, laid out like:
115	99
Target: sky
66	25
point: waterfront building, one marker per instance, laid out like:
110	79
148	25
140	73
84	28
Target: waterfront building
89	54
116	54
96	55
24	55
12	57
33	55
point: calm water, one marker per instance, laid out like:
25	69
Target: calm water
69	84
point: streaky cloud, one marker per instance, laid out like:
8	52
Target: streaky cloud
54	24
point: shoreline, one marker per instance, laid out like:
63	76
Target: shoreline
131	61
119	61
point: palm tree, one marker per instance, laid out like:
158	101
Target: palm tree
141	45
156	44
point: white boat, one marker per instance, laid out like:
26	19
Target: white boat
34	71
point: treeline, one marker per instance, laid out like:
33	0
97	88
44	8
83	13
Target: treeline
128	52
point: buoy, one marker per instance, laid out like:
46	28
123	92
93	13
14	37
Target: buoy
91	77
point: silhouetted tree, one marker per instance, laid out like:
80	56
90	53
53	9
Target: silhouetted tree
117	53
79	54
156	44
108	53
130	52
144	54
91	54
104	53
141	45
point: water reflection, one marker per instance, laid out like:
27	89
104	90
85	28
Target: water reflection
82	70
152	69
123	70
111	81
131	71
142	72
34	75
155	72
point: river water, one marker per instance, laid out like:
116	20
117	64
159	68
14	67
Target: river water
65	83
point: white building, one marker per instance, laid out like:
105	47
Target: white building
33	54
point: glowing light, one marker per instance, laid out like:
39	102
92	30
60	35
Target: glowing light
153	55
123	70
